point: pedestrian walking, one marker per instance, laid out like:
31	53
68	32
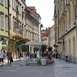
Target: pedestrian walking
53	53
20	55
56	54
9	57
1	56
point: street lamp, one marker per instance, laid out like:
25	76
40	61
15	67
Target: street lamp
41	25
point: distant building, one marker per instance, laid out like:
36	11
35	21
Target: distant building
52	37
45	36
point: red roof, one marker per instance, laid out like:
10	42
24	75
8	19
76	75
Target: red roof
45	33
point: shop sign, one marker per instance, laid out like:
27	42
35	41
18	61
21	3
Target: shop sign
59	42
3	38
17	40
12	42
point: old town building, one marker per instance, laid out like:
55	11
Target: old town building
17	24
65	13
45	33
4	37
24	24
32	23
52	37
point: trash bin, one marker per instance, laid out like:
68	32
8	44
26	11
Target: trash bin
43	61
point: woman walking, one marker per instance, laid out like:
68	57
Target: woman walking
9	57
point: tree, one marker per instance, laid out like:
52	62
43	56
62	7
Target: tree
43	48
25	48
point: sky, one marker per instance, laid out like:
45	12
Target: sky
45	8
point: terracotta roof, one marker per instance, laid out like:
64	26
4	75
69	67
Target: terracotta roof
45	33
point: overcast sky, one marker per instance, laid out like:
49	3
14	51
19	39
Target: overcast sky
45	8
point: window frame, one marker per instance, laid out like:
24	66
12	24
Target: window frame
2	20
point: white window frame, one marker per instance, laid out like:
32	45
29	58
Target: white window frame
2	20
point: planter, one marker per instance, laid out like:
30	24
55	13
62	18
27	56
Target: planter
43	61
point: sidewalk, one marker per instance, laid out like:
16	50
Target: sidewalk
65	69
5	61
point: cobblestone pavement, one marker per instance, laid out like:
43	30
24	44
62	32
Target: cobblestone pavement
65	69
58	69
18	70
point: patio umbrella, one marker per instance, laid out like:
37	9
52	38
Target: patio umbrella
35	43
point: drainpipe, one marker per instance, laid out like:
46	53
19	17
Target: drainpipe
8	27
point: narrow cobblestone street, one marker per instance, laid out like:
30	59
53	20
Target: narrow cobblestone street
18	70
58	69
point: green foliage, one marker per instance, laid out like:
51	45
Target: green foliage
43	48
50	49
35	49
25	48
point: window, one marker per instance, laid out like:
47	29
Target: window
2	21
10	22
20	9
6	23
14	4
6	3
2	2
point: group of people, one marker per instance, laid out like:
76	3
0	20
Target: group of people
51	55
55	54
9	57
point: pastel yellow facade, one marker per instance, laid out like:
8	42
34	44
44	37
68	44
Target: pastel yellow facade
17	25
66	29
4	37
52	37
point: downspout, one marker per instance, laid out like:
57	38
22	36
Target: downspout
8	27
